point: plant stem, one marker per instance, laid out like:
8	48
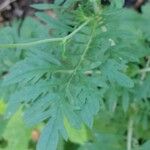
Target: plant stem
64	71
80	61
130	134
82	58
146	69
28	44
77	30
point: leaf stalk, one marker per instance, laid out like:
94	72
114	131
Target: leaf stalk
130	134
28	44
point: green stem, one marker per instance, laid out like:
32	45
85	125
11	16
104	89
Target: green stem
81	59
130	134
77	30
28	44
78	65
64	71
144	70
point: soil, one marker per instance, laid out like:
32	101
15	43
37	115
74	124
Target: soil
10	9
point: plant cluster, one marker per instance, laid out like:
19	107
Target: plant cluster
83	73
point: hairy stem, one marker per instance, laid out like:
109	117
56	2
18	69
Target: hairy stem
81	59
78	65
28	44
130	134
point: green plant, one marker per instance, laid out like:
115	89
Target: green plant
87	69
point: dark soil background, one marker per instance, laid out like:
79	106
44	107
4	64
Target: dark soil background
10	9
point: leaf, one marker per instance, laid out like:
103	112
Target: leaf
50	134
145	146
54	23
29	93
3	125
111	71
43	105
112	96
105	141
86	97
90	108
125	100
16	133
42	6
30	32
2	107
118	3
58	2
142	90
32	69
79	136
